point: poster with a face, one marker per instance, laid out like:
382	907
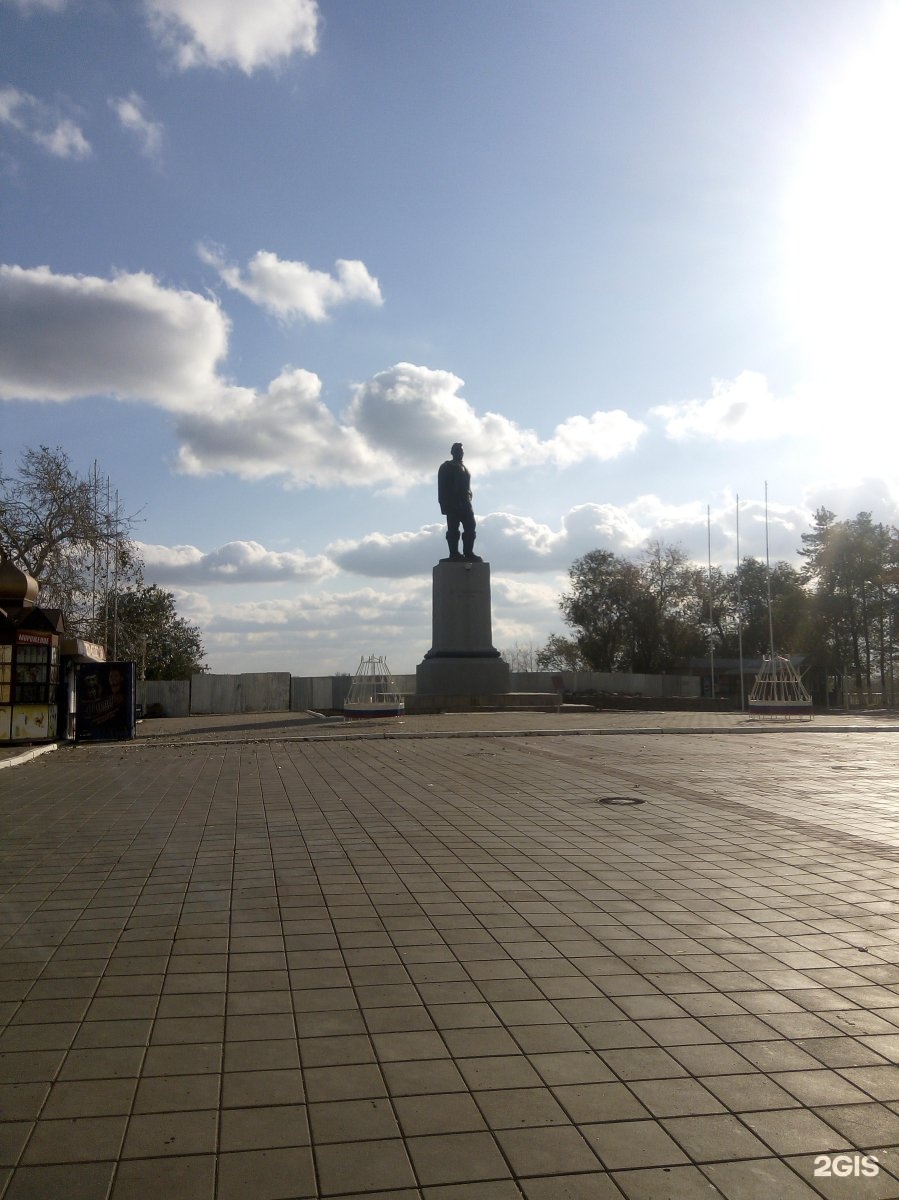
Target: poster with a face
104	701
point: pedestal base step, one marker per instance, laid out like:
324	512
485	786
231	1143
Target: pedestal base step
485	702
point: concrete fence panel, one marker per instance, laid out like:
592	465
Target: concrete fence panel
300	694
172	696
276	691
627	684
265	691
322	693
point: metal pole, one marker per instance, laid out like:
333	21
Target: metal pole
95	563
115	581
708	517
739	619
768	576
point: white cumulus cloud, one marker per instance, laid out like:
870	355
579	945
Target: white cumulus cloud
234	562
43	124
292	290
397	555
521	545
235	33
65	336
395	427
286	430
412	413
131	111
326	628
739	410
880	497
511	543
132	338
323	613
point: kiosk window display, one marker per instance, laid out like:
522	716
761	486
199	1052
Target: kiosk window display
29	660
29	685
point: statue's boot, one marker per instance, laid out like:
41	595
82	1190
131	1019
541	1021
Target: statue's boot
468	548
452	540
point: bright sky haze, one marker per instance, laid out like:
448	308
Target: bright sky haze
266	262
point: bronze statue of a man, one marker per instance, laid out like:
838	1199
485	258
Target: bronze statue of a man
454	495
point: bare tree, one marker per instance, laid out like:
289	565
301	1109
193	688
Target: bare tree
521	658
70	534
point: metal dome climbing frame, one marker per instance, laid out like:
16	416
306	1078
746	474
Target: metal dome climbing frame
373	693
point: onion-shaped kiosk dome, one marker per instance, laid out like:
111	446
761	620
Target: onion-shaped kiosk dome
18	589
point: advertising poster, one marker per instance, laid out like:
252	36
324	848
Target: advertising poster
104	701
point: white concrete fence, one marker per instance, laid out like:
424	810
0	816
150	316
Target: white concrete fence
278	691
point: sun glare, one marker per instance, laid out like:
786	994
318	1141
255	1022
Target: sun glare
843	229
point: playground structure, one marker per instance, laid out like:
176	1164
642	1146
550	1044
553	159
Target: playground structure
778	690
373	692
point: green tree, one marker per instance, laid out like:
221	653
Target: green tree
635	616
745	601
851	572
560	654
150	633
599	605
673	617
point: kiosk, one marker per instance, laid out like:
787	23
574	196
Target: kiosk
29	661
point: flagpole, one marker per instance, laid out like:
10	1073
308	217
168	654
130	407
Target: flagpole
740	613
708	515
768	575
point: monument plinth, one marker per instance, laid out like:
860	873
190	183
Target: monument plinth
462	659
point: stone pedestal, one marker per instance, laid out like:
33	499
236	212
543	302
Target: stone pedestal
462	659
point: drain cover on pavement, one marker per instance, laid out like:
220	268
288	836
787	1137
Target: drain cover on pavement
620	800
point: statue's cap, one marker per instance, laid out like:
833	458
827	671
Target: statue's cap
455	446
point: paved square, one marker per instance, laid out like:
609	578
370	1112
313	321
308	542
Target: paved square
442	967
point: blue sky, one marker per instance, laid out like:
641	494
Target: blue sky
265	263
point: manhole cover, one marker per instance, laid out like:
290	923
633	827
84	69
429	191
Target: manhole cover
620	800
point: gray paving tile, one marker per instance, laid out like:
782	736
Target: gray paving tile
816	1088
176	1093
749	1180
355	1120
714	1138
13	1136
588	1186
456	1158
263	1127
242	1089
423	1077
867	1186
514	1108
549	1150
90	1098
675	1097
674	1183
75	1181
270	1174
591	1102
579	970
499	1071
621	1144
81	1139
364	1166
795	1131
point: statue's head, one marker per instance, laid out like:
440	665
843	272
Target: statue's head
456	451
